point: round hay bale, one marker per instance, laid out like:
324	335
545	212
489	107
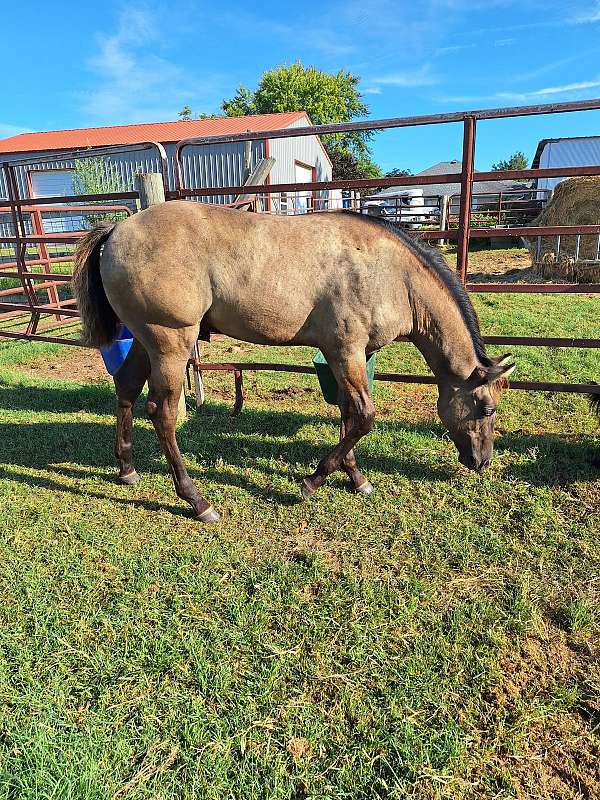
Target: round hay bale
575	201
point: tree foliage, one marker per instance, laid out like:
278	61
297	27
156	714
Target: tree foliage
398	173
518	160
97	176
327	98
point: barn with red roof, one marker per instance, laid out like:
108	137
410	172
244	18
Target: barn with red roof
45	161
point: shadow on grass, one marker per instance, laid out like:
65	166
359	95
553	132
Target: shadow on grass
264	441
258	439
559	459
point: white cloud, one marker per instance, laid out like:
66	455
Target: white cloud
568	87
591	16
551	66
6	130
537	94
372	90
137	85
407	79
454	48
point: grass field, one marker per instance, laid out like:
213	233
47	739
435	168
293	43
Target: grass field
437	640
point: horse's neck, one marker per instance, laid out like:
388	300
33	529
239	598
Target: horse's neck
439	330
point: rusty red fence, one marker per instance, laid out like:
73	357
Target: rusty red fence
29	255
460	229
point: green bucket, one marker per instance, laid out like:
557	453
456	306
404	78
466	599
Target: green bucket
327	379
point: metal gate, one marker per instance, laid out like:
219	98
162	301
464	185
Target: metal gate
34	262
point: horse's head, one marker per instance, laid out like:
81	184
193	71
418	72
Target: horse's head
468	410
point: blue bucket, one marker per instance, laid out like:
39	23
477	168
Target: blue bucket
115	353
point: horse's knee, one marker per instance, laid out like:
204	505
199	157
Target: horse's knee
365	419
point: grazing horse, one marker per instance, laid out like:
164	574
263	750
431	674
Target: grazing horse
344	283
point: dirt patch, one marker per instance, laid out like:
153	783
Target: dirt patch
558	751
80	364
503	266
298	747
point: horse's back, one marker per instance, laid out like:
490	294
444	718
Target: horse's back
259	277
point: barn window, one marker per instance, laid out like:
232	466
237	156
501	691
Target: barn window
55	183
51	182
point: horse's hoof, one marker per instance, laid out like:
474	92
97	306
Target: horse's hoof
364	488
130	479
307	489
210	515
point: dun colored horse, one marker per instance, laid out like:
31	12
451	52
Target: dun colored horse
340	282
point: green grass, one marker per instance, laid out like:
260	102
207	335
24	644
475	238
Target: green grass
427	642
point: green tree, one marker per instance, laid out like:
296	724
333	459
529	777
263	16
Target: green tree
393	173
97	176
187	113
518	160
327	98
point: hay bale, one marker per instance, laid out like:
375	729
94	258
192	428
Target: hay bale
575	201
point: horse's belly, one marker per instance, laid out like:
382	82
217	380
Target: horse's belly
259	323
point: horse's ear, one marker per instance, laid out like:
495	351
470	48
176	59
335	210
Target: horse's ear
499	370
478	377
503	360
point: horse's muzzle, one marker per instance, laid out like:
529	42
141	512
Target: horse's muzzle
473	463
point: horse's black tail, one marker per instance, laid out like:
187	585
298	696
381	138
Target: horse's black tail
98	320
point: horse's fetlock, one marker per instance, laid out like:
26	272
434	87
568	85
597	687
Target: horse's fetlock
185	489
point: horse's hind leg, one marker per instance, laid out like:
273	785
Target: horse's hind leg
351	375
168	362
129	382
349	465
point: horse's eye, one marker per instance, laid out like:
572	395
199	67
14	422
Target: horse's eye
488	411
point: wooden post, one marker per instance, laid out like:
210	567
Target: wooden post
152	191
151	188
444	203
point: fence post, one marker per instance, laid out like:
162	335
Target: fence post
444	203
466	188
150	187
152	191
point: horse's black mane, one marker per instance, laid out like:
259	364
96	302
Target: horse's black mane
435	261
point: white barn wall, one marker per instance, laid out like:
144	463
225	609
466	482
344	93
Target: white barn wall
307	150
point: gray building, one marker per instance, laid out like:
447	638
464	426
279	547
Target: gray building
566	152
484	192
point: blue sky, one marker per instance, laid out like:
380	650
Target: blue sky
118	62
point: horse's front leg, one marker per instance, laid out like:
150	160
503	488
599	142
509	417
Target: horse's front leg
349	466
350	372
129	382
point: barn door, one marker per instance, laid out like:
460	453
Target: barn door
303	174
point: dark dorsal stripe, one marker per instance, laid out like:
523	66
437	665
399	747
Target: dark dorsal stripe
434	261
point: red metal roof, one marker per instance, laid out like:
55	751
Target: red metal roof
145	132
